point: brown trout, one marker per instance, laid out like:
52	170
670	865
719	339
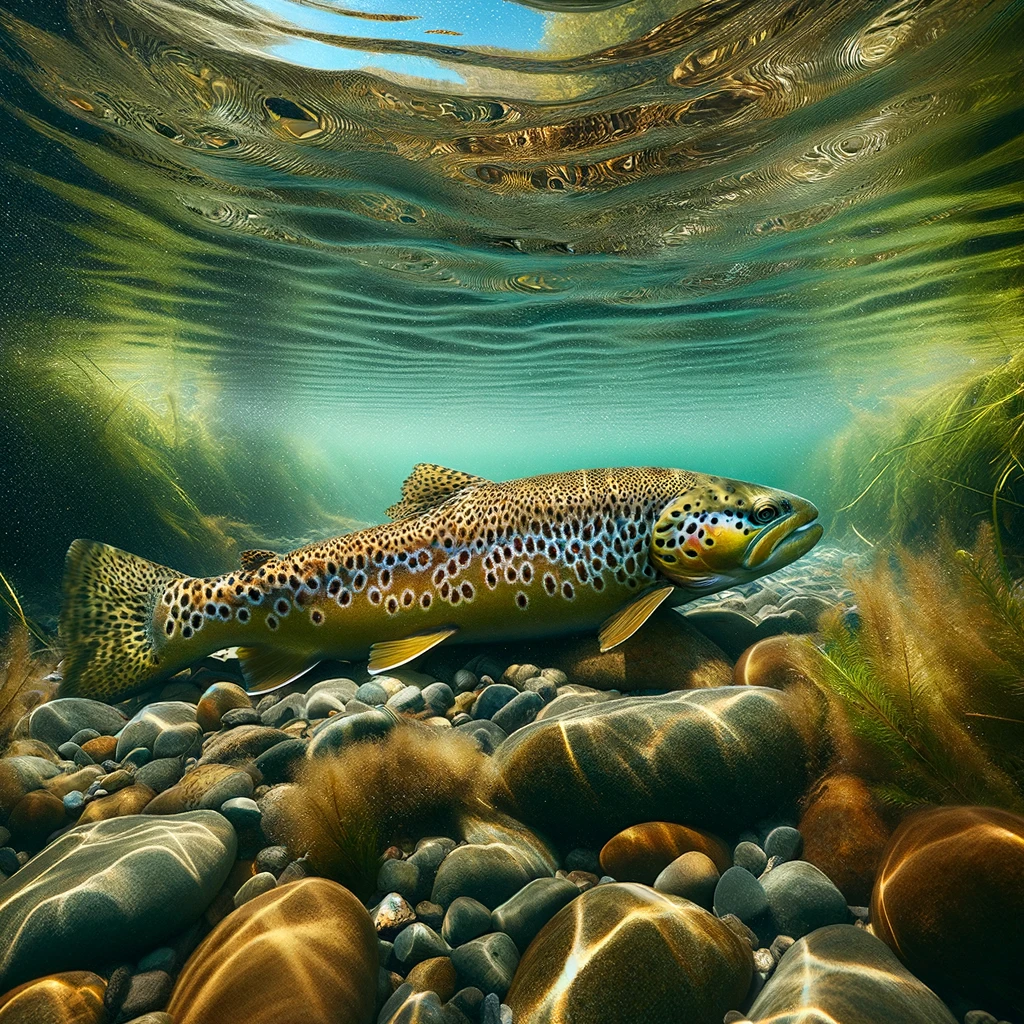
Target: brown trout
464	560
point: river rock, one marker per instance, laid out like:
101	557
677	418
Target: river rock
489	873
434	975
844	974
217	699
72	998
418	942
242	743
949	900
130	800
161	774
715	759
637	955
303	953
801	899
174	719
58	720
693	876
74	782
110	890
844	835
35	816
101	748
282	761
204	788
522	916
487	963
20	775
640	853
465	919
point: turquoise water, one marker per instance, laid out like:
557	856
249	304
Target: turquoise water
290	235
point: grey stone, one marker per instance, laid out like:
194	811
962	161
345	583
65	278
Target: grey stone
802	899
58	720
431	914
525	913
416	943
237	784
242	811
110	890
490	873
323	705
84	735
464	681
750	856
408	700
519	711
465	919
399	876
544	688
371	694
9	862
255	886
162	774
286	709
438	697
148	991
281	761
273	859
784	842
493	697
234	717
490	1011
337	732
469	1002
137	757
693	876
487	963
391	1007
739	893
341	688
155	720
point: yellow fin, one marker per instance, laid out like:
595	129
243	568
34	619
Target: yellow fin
270	668
391	653
624	623
255	558
429	485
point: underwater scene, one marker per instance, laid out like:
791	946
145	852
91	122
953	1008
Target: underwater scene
512	511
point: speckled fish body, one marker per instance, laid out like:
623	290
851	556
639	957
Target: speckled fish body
544	555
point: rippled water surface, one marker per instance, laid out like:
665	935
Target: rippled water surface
503	236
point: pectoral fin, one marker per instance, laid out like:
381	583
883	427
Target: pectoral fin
624	623
270	668
391	653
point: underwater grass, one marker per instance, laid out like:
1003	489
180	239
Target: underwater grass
346	809
954	455
23	683
928	688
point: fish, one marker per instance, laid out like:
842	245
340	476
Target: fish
463	559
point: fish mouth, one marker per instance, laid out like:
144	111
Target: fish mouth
784	541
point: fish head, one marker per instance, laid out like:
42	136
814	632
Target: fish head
720	533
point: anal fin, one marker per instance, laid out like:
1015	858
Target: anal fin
270	668
625	622
390	654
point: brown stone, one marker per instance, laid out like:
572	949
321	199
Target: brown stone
34	818
434	975
31	748
623	953
844	835
642	852
129	800
188	794
217	699
949	900
72	998
76	782
243	743
102	748
304	953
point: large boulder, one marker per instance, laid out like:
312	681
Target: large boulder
622	953
949	899
56	721
715	759
845	975
109	891
303	953
72	998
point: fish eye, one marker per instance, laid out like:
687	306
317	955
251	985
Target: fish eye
765	512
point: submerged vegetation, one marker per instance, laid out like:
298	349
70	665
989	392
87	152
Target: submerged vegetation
950	457
347	808
23	682
928	684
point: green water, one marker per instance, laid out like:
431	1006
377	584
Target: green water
261	258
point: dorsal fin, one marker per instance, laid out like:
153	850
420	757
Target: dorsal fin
255	558
428	485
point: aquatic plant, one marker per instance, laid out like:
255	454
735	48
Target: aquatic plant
22	679
928	686
955	453
346	809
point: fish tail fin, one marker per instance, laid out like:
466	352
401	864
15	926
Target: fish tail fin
106	620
